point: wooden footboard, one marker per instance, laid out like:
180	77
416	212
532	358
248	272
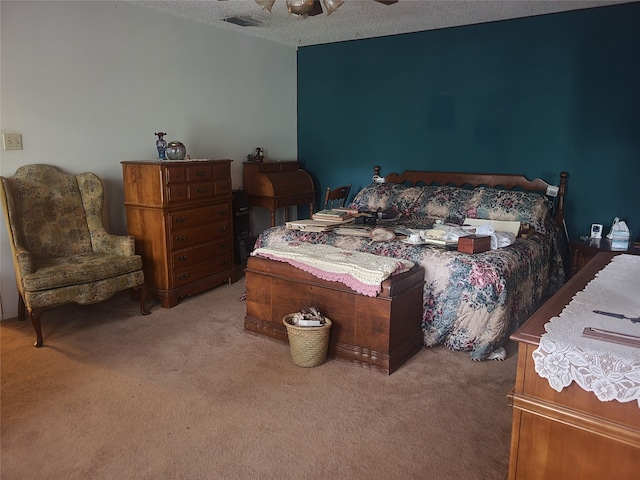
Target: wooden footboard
380	333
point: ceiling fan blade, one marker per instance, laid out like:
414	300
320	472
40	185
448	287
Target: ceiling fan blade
386	2
300	8
316	9
332	5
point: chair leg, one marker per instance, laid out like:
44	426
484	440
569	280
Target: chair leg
35	316
22	309
143	299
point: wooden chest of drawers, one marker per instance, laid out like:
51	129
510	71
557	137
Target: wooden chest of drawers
180	214
568	434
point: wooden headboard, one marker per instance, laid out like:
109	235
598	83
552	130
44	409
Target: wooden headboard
491	180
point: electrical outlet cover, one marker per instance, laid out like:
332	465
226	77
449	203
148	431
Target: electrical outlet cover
12	141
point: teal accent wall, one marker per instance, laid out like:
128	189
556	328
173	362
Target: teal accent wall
533	96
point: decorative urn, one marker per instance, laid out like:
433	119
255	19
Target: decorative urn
175	151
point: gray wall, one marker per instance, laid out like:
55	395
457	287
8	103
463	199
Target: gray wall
88	83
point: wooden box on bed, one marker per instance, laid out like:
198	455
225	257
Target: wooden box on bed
380	333
474	244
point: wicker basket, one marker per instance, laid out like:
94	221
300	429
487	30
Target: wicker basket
309	345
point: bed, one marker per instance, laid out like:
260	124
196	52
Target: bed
470	302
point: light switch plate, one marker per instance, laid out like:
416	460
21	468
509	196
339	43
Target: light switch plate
12	141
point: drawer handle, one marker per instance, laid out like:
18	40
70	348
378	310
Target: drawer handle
201	173
202	190
222	211
222	229
183	258
183	238
224	262
183	276
223	246
181	219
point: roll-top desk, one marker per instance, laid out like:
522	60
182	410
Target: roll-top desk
276	185
568	434
181	217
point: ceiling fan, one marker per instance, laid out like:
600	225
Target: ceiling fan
304	8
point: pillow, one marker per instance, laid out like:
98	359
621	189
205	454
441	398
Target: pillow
388	197
525	207
444	202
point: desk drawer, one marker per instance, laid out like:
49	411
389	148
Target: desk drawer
294	200
276	166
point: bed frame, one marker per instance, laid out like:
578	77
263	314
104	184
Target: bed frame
378	333
492	180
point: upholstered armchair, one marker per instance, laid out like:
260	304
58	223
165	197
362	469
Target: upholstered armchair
61	251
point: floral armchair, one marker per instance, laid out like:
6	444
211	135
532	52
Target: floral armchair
61	251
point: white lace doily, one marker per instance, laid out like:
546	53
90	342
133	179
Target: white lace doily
610	370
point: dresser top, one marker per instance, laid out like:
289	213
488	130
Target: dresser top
533	328
172	162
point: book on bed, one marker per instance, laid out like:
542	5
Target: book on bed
311	225
332	214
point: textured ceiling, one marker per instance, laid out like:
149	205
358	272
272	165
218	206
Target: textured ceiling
357	19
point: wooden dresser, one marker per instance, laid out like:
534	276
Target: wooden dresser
568	434
180	214
276	185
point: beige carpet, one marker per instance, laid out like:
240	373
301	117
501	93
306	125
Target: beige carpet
186	393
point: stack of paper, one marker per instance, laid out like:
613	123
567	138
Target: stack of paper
498	225
357	230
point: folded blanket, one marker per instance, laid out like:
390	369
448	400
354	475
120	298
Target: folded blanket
362	272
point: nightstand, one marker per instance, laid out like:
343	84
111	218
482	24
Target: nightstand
585	249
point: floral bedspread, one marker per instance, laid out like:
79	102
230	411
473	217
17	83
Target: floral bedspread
471	302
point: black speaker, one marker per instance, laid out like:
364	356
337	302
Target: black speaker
243	241
241	224
243	248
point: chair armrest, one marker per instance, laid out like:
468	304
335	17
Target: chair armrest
24	261
104	242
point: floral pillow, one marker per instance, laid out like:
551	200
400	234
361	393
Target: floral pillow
526	207
444	202
395	197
